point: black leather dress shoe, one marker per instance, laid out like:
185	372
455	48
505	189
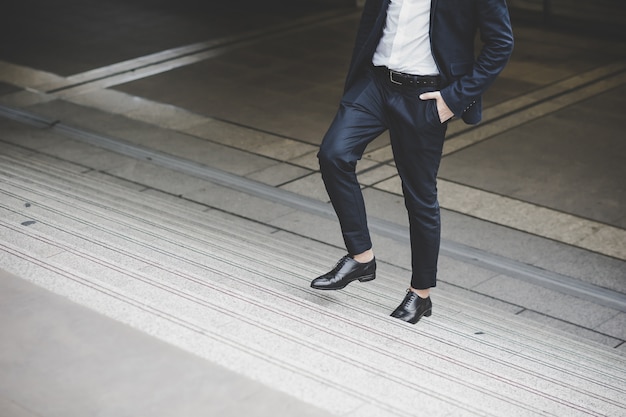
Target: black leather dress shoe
346	271
413	307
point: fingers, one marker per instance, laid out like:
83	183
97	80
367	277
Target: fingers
433	95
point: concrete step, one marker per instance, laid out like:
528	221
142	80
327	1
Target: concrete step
229	241
289	249
171	271
238	241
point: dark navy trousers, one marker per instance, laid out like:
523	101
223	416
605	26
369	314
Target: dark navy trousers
372	105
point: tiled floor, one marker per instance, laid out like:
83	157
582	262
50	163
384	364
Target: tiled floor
576	171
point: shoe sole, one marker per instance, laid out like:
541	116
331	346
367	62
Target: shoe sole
366	278
427	313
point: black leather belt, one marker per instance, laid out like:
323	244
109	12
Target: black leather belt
400	78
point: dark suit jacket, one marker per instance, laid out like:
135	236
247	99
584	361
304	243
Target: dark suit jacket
453	26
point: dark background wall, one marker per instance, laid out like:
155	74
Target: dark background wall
606	17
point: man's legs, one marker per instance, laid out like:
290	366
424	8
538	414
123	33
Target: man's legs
417	140
357	123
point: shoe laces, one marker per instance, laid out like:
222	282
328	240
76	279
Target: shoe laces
340	263
408	300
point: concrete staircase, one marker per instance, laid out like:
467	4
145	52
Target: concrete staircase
237	293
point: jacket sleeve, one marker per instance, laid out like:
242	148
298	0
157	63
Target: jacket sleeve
497	45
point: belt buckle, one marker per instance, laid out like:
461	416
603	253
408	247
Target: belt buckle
391	72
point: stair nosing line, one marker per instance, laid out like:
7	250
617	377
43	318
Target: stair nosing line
510	382
382	227
24	165
78	278
207	332
29	182
94	224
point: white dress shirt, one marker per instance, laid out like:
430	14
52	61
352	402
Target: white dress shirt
405	44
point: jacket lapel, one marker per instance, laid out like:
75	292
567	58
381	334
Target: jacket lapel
384	5
433	7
